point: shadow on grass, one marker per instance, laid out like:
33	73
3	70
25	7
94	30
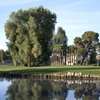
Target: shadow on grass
93	68
37	71
52	70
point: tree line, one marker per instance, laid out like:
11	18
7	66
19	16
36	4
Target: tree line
32	38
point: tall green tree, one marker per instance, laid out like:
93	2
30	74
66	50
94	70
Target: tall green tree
79	46
71	50
60	37
29	33
90	39
98	53
60	42
87	46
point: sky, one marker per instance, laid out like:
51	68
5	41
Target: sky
74	16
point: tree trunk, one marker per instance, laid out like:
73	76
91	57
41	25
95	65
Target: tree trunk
29	61
65	57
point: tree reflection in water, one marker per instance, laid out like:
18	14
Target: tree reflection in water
59	90
87	91
30	89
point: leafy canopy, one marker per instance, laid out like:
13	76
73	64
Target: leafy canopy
29	33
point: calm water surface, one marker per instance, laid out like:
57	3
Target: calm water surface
32	89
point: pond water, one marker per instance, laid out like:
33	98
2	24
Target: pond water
33	89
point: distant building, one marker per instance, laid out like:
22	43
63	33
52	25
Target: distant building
59	59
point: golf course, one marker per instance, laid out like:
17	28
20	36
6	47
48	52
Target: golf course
85	70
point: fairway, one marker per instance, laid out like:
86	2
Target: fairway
90	70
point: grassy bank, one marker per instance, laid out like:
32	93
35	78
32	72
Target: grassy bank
91	70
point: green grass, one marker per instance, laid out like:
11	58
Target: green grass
91	70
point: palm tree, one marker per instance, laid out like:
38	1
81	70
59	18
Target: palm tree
57	49
72	53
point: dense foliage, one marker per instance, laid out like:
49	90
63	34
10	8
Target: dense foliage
31	40
60	44
5	57
29	33
86	46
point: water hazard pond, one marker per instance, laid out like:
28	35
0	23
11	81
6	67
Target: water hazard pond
32	89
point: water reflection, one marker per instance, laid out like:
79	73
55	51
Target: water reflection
3	87
87	91
60	90
30	89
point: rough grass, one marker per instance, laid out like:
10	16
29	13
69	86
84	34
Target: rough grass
91	70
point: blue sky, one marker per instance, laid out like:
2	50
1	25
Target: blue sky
74	16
